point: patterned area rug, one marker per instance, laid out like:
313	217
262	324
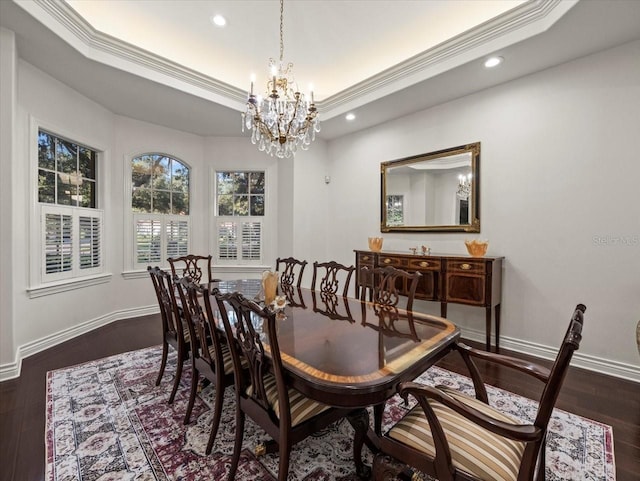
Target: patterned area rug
106	420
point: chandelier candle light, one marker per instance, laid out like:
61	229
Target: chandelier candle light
283	119
464	186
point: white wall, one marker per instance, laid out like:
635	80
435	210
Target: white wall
559	183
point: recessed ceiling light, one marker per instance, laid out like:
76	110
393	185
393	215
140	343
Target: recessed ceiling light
493	62
219	20
350	117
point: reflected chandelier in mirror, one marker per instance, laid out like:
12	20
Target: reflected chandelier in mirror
433	192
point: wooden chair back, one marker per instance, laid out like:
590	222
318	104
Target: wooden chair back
197	268
292	270
327	277
249	324
164	302
208	357
174	328
389	284
196	306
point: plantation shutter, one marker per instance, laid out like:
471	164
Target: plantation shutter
227	240
71	241
251	240
148	241
177	238
90	242
58	248
239	240
158	237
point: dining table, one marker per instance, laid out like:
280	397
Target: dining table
347	352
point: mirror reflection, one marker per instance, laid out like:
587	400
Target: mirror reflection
437	191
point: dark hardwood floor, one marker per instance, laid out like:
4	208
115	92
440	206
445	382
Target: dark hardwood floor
22	401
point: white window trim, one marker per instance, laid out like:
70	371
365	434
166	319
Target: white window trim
37	285
131	269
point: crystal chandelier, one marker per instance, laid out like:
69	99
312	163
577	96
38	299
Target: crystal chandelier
464	186
283	119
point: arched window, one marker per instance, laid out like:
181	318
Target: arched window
160	205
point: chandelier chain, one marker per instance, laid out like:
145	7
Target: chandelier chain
281	30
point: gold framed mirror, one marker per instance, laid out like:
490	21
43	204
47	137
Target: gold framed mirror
433	192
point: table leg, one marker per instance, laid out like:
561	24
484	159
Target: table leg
443	309
359	419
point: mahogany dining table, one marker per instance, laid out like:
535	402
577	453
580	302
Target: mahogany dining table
345	352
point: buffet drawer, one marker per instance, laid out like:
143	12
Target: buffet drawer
424	264
365	259
467	266
395	261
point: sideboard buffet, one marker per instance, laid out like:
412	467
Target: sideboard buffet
459	279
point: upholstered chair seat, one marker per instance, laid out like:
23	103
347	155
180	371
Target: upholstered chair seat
474	450
302	408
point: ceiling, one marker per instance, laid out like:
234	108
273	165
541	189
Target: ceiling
165	63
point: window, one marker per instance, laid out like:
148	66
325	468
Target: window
70	224
240	210
66	172
160	204
395	210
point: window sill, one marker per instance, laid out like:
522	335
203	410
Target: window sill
137	274
67	285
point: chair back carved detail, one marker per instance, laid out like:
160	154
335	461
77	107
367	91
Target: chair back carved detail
197	268
292	270
330	275
389	284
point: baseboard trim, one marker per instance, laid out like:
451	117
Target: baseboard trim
12	370
621	370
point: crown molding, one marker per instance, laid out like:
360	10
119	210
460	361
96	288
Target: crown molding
524	21
65	22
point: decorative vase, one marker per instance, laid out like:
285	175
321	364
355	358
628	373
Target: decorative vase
269	286
476	248
375	244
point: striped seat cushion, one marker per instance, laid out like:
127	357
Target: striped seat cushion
302	408
474	450
227	360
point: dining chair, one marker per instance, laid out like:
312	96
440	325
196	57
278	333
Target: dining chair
174	331
291	274
452	436
193	266
389	283
210	355
330	275
262	392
